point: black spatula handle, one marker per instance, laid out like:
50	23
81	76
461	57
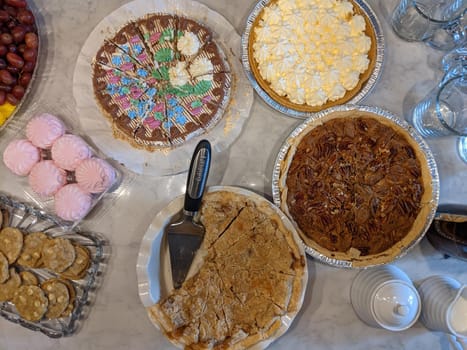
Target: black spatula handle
197	177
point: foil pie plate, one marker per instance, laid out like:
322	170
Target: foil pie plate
366	88
423	147
29	219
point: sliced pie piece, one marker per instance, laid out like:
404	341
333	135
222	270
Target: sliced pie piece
129	40
159	32
238	297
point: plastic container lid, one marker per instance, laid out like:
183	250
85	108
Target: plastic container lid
396	305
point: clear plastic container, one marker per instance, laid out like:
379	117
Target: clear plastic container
99	201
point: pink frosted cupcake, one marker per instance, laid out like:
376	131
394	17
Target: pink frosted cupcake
72	203
94	175
46	178
20	156
44	130
69	150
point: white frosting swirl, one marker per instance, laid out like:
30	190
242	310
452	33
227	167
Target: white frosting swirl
201	66
178	74
188	44
311	51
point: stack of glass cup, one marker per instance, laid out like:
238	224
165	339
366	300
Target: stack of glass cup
439	23
443	112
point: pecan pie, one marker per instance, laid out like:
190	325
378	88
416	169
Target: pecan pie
357	186
252	277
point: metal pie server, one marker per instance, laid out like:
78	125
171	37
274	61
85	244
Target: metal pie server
184	235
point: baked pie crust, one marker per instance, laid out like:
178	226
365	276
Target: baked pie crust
252	278
351	254
283	100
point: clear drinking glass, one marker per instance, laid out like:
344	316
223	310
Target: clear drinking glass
440	23
443	111
455	62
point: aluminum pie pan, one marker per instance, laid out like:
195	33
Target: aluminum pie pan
423	147
364	91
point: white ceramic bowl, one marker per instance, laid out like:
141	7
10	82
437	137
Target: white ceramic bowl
444	302
385	297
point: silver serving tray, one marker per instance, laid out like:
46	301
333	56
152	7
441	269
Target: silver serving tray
367	87
29	219
276	193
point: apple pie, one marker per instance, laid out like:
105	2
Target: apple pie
253	277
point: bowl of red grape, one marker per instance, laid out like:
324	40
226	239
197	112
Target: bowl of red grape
19	47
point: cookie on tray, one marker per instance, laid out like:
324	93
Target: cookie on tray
71	303
28	278
4	218
8	289
58	254
4	273
11	243
32	249
58	295
31	302
80	266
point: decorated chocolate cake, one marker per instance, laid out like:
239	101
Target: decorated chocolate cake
161	80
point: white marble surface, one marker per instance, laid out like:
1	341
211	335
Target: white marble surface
117	320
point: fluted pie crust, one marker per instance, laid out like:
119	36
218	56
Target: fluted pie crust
253	275
370	255
283	100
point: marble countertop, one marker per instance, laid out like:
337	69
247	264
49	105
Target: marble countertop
327	321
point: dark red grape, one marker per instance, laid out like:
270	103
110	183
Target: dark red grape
3	50
30	54
25	16
31	40
12	11
13	70
3	64
5	88
24	79
12	99
6	77
14	60
6	38
4	16
12	48
16	3
29	66
18	34
18	91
